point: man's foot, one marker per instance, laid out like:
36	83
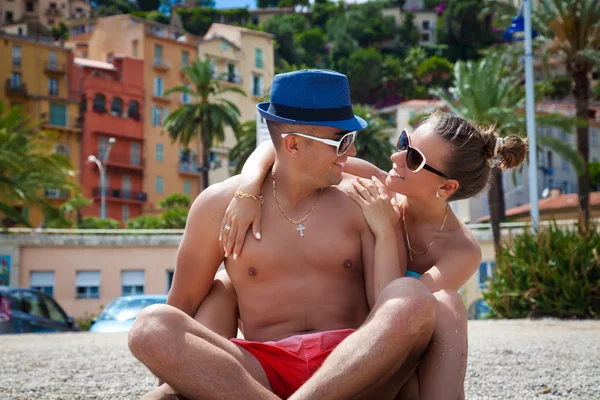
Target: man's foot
163	392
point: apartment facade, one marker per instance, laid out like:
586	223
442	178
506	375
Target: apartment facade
48	12
111	100
163	51
243	58
34	77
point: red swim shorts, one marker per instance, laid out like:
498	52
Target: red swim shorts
289	363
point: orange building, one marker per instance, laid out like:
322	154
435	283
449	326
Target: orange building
112	95
163	51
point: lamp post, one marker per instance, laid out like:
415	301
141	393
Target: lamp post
102	169
522	25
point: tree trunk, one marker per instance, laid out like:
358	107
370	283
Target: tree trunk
581	92
496	206
79	218
205	164
200	161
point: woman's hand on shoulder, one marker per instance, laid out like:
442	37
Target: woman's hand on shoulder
381	210
242	212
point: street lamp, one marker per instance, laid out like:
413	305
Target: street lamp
101	167
522	24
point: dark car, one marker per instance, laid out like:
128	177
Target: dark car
27	310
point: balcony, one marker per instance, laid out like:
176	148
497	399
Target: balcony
53	12
16	63
60	122
161	98
160	64
54	67
56	194
231	78
119	159
119	194
15	88
190	168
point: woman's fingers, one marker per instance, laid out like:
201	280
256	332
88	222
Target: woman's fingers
357	198
370	186
365	194
231	239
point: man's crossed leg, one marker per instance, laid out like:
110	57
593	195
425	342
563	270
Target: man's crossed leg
371	363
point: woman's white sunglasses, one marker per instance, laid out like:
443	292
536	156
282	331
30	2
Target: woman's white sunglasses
341	146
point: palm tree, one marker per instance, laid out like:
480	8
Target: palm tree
246	143
490	93
28	166
206	116
74	205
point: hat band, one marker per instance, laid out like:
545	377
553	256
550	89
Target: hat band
311	114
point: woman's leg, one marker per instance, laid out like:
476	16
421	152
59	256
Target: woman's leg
217	312
441	373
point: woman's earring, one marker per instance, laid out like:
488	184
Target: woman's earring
437	194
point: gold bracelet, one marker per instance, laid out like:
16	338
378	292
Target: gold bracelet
242	195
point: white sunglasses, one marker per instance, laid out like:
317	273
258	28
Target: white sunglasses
342	146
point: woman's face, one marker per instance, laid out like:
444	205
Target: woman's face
423	183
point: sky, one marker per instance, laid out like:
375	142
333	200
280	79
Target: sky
235	3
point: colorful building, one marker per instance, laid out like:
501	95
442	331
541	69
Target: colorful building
111	97
48	12
34	76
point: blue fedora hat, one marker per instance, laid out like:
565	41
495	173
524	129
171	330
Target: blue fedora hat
312	97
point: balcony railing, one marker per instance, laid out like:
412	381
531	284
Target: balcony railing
123	158
192	168
161	63
232	78
53	66
57	122
56	194
53	12
119	193
16	62
13	87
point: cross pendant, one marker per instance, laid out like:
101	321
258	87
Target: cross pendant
301	229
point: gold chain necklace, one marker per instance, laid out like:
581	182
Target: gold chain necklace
300	227
411	251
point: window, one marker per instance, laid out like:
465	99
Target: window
53	86
158	86
224	46
425	37
566	187
116	107
32	304
132	282
231	75
258	56
165	113
158	52
185	58
486	270
102	148
62	149
15	80
9	17
16	56
52	61
134	45
29	6
125	213
156	116
564	164
133	110
159	152
187	187
425	25
563	135
126	187
42	281
87	285
99	104
549	159
58	114
257	86
170	274
54	312
159	184
185	97
135	158
594	136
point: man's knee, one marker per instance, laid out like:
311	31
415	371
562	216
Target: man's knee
148	333
410	305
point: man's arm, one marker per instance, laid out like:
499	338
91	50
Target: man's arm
200	253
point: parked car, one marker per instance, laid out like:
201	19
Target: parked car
120	313
27	310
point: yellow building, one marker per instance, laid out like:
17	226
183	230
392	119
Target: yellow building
247	58
246	55
48	12
34	76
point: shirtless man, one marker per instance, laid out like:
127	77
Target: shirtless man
301	288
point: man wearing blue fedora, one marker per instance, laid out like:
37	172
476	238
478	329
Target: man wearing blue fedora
311	329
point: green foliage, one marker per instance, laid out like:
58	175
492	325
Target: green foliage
97	223
364	71
267	3
555	273
408	33
312	42
144	222
175	200
373	142
594	171
173	218
85	323
113	7
597	91
60	31
197	20
435	71
153	15
285	28
60	223
28	166
560	88
246	143
148	5
464	30
323	11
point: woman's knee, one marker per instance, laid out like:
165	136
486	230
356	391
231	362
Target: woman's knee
151	328
451	305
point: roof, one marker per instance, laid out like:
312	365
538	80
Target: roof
547	205
217	27
217	37
422	103
86	62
